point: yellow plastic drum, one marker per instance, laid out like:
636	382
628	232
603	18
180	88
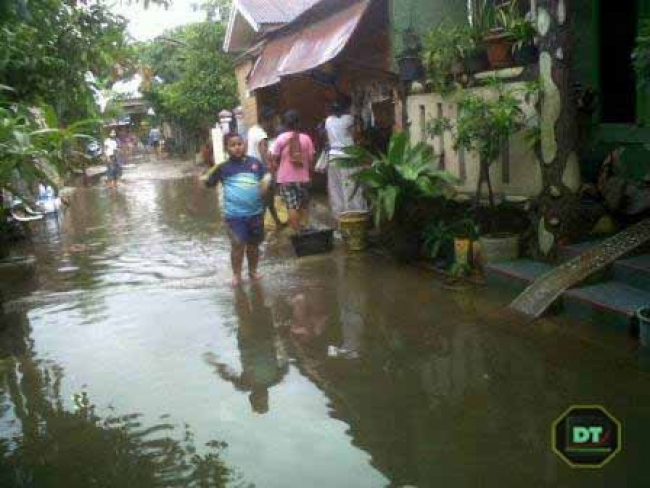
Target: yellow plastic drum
462	250
354	229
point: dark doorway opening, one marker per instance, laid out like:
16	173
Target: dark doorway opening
618	28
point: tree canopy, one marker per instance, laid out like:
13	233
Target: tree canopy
189	79
48	47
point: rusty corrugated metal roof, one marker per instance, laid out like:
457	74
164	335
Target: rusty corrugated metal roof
307	46
275	11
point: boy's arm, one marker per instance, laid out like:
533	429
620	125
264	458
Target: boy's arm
214	178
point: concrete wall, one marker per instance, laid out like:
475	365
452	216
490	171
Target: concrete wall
517	174
247	100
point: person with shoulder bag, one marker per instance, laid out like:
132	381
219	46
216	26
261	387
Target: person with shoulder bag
293	152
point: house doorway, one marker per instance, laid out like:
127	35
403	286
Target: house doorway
618	29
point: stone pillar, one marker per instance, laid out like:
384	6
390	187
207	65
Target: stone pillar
558	148
217	145
225	119
242	130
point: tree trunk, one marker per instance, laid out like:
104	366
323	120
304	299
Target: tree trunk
559	209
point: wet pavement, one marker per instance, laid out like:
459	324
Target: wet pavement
126	360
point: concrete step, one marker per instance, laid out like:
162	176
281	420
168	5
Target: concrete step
515	276
609	304
634	271
567	253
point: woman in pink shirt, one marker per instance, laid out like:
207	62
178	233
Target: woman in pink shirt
293	154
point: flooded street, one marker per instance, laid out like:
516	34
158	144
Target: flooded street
126	360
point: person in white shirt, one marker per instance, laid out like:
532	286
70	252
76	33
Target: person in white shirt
259	148
113	168
110	146
340	186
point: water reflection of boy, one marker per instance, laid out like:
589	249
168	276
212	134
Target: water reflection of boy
263	364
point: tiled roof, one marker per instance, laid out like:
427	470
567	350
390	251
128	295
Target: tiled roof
275	11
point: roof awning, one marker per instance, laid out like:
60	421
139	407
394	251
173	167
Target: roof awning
309	47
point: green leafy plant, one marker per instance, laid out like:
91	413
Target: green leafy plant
50	46
440	234
484	124
484	19
32	146
189	78
459	270
445	47
641	54
405	173
516	26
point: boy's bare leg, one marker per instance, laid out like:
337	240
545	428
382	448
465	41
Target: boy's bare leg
253	255
237	261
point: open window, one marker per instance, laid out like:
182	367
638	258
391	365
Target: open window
618	28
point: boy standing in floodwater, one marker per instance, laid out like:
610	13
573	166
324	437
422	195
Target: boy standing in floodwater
242	179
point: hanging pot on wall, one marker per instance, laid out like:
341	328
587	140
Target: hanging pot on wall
477	62
499	50
410	68
527	54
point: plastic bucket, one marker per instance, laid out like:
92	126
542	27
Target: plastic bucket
309	242
496	248
462	250
354	229
643	314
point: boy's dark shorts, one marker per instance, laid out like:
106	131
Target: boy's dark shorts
113	169
246	230
295	195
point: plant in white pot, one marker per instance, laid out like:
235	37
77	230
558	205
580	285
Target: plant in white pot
485	123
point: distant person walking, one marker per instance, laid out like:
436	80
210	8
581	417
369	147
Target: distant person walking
155	140
293	155
340	185
113	167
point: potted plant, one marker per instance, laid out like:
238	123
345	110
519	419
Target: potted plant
510	32
410	59
398	185
441	237
522	32
444	50
475	58
484	124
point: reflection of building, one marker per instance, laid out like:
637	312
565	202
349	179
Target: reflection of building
333	48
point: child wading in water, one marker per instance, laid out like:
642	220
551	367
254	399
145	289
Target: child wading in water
243	179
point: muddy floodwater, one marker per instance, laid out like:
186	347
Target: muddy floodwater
126	360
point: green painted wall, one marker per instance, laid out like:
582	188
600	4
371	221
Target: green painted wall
425	14
643	105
